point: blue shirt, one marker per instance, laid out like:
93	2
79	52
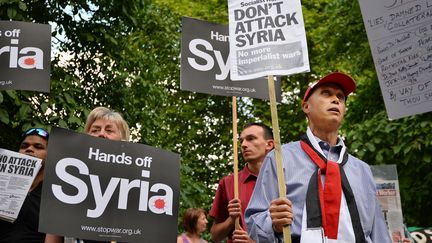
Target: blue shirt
298	168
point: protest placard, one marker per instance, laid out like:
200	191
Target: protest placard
421	235
17	172
388	194
102	189
25	56
205	68
267	37
205	63
400	37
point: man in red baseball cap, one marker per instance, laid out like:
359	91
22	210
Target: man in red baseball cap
345	82
330	194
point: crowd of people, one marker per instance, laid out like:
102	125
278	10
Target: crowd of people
330	194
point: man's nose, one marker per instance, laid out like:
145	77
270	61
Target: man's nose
243	144
335	99
29	150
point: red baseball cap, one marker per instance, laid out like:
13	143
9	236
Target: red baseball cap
343	80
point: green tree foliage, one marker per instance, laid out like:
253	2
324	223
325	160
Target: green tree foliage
125	55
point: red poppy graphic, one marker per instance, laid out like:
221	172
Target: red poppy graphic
29	61
159	203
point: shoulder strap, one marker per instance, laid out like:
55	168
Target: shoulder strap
184	238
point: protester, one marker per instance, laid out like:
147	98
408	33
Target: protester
194	223
256	141
105	123
347	208
25	229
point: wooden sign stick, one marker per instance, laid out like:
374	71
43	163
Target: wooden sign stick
278	152
235	154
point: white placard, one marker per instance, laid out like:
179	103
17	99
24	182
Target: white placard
17	172
267	37
400	36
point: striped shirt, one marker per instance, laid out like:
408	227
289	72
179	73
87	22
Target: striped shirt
298	169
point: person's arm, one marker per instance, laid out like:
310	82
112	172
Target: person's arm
257	215
221	230
50	238
380	231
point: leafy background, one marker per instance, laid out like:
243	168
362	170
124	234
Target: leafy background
125	55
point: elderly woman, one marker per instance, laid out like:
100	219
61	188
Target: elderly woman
105	123
194	222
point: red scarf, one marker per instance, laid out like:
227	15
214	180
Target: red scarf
329	199
331	196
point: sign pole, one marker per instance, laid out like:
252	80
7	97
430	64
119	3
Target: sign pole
235	154
278	152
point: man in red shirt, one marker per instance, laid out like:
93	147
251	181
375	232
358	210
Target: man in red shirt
256	141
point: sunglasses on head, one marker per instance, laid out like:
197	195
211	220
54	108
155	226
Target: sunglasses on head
36	131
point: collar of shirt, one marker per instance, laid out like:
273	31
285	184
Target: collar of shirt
334	151
246	175
331	152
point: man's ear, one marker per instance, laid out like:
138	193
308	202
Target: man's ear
305	107
270	144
